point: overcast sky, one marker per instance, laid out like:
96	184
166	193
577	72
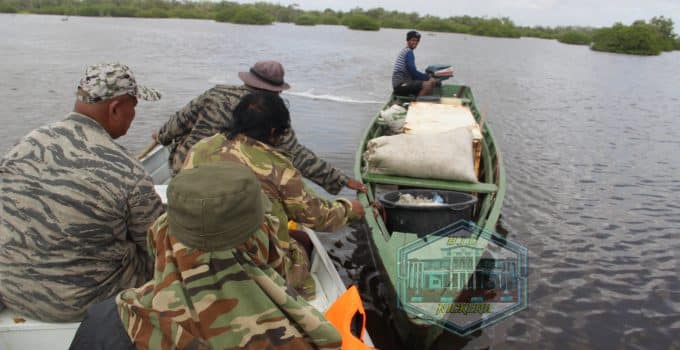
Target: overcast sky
593	13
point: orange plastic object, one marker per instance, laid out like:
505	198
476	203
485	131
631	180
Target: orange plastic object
341	315
292	225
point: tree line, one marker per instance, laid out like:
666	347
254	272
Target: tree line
642	37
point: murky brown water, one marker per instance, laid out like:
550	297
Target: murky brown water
591	143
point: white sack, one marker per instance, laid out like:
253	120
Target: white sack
394	117
444	156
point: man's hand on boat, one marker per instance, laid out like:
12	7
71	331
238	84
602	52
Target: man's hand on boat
357	209
355	185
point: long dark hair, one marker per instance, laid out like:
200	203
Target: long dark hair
257	114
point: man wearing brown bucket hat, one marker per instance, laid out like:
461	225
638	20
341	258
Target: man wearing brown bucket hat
265	75
76	205
216	283
212	113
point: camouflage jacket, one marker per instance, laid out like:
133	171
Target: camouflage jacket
280	180
75	211
211	113
225	299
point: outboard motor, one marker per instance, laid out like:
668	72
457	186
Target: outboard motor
440	71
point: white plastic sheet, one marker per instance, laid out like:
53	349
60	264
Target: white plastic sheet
423	117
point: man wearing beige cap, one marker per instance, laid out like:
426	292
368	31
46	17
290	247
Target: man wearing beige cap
75	206
211	113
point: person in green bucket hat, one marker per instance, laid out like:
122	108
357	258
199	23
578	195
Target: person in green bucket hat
216	282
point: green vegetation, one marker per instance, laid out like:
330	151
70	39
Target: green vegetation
434	24
329	19
360	21
251	15
307	20
635	39
575	38
7	8
395	23
641	37
501	28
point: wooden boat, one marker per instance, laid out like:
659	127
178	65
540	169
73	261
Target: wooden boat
19	333
417	331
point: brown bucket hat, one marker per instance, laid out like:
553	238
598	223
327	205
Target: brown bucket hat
266	75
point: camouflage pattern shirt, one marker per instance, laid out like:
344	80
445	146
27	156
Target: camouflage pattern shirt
224	299
75	208
211	113
281	181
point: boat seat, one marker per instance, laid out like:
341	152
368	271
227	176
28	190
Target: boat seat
479	187
402	98
21	333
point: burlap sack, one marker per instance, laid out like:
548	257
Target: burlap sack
444	156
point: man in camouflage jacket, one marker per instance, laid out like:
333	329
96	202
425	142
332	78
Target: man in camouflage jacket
211	113
259	120
215	284
266	114
75	206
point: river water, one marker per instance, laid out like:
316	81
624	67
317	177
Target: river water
591	146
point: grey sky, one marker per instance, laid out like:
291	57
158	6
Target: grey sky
594	13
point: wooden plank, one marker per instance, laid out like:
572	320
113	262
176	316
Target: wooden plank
477	153
148	149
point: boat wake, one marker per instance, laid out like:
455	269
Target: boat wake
309	94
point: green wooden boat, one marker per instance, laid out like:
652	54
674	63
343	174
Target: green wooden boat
416	331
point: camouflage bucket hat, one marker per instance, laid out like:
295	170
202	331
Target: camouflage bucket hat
108	80
215	206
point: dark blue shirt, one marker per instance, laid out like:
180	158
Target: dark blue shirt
405	68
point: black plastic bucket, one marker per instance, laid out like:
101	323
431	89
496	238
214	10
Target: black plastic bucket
425	219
